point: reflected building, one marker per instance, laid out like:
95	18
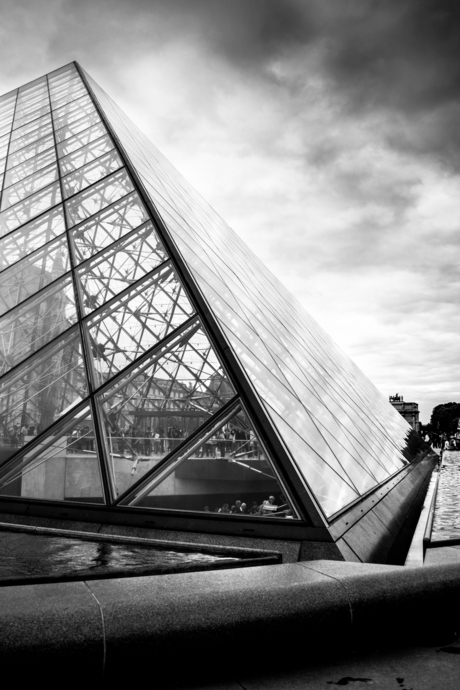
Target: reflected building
153	368
408	410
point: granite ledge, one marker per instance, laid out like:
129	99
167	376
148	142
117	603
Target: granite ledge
177	620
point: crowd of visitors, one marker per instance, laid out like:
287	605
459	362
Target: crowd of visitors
16	435
266	508
443	441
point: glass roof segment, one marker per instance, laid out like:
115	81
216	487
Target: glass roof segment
130	325
111	378
42	389
156	405
240	290
225	470
63	466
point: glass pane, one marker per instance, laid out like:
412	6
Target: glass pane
41	390
31	104
28	186
62	74
29	208
30	115
85	154
108	226
95	198
63	466
30	167
4	141
34	272
30	133
133	323
29	237
68	93
226	470
91	173
72	111
156	405
74	128
76	144
116	269
33	149
36	322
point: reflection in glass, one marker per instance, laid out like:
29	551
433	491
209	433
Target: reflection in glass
23	153
31	236
63	466
36	322
108	226
87	128
130	325
41	390
32	206
225	470
342	428
29	185
160	402
29	167
85	154
34	272
120	266
96	198
91	173
33	132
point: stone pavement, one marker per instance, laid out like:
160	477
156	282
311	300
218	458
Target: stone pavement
413	668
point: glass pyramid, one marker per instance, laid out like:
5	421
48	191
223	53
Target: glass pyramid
149	360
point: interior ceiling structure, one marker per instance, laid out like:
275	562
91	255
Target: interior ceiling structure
148	358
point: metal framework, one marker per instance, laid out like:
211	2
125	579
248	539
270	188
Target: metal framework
147	359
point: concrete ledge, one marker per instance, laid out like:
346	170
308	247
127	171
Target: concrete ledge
163	624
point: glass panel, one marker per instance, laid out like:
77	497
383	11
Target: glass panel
29	167
116	269
4	141
29	237
95	198
36	322
28	186
5	128
62	74
329	488
72	112
29	208
63	466
225	470
33	273
152	409
108	226
132	324
73	128
240	290
91	173
30	105
30	133
68	93
86	154
41	390
30	150
31	114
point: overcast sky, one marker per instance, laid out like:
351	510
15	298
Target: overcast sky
327	134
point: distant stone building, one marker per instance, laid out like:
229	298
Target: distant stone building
409	410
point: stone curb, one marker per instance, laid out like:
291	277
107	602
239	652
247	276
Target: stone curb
109	626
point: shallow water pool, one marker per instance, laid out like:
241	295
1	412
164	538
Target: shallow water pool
32	557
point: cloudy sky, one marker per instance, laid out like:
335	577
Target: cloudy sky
325	132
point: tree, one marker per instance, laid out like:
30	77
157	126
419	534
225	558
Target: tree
444	418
